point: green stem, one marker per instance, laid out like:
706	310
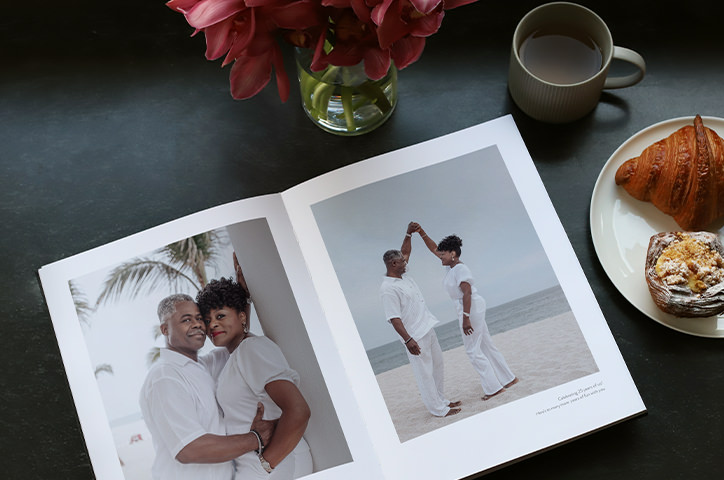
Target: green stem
348	108
307	83
320	99
370	90
323	91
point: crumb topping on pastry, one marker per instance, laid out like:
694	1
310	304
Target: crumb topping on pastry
691	262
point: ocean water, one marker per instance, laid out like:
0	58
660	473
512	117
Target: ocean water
532	308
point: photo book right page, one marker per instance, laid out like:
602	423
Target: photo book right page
543	322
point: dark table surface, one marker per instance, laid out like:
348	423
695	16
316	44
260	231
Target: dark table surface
112	122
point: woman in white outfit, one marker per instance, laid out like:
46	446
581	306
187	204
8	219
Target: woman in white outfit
488	362
249	370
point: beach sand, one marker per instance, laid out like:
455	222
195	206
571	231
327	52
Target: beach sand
135	449
542	355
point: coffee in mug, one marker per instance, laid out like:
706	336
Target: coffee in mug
562	56
559	62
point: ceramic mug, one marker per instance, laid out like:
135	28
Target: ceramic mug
560	101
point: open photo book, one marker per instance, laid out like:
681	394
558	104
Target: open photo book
312	258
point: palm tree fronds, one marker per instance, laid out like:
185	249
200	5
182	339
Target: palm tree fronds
153	355
156	331
82	306
141	275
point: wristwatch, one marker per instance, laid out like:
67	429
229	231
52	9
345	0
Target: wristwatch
265	465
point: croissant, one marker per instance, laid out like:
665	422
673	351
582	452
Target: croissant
682	175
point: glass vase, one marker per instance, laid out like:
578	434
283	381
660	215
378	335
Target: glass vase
342	100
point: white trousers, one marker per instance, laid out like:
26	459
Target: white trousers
485	358
297	464
429	372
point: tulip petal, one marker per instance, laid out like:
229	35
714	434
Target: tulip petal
181	6
380	10
319	60
218	38
425	6
344	56
209	12
297	15
390	30
426	26
241	42
281	74
336	3
450	4
361	9
407	51
265	3
377	63
249	75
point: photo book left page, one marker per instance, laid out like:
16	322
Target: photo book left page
103	304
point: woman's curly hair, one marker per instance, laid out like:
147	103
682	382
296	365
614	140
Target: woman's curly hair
451	243
224	292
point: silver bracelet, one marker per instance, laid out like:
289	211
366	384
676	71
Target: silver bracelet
465	314
408	340
408	234
258	439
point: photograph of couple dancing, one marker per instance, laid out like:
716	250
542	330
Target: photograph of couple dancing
486	324
205	412
405	309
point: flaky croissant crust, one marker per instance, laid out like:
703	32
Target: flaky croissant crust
682	175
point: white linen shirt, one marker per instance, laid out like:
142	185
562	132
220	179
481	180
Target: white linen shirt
178	405
402	298
454	277
241	383
241	380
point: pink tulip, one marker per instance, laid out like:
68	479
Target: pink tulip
377	32
249	75
397	19
244	31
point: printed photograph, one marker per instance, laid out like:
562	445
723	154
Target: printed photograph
451	291
203	362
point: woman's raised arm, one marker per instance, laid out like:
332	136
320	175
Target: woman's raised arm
242	281
429	242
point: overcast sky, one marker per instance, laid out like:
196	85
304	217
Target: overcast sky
472	196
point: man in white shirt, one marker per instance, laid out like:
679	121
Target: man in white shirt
179	406
406	310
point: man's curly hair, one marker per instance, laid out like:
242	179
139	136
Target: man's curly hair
451	243
224	292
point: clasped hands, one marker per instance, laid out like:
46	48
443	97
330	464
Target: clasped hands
414	227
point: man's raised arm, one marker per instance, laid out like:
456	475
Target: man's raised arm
406	248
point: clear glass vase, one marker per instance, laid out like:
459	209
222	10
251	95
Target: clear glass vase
342	100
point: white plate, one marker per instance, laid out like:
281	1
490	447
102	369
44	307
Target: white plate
621	227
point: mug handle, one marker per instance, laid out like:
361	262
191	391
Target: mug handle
621	53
